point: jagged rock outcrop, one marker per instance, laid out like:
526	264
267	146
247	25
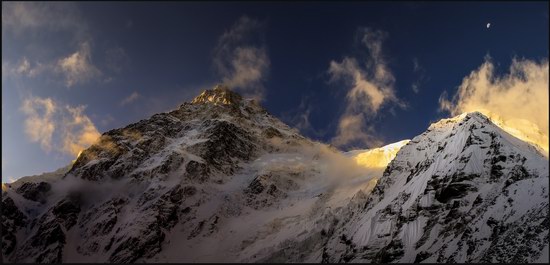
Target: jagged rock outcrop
220	179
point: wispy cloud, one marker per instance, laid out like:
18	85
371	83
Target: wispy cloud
299	118
353	130
370	86
58	127
107	120
516	97
20	18
131	98
421	75
116	59
77	67
29	23
23	68
39	124
241	59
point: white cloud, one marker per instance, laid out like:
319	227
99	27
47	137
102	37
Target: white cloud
131	98
241	58
77	67
370	87
519	99
56	127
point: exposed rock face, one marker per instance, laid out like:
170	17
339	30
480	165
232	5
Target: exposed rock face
34	191
219	95
202	142
215	132
12	220
46	242
220	179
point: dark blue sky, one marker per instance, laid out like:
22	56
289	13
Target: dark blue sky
164	53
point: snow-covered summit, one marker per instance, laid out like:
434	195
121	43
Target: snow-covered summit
456	193
220	179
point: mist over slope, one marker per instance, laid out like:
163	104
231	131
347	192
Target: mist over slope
220	179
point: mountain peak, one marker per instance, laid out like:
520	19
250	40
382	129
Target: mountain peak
460	119
220	95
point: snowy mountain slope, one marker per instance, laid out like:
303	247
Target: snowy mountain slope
219	179
181	180
463	191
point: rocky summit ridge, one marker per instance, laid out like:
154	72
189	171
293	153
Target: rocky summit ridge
220	179
221	94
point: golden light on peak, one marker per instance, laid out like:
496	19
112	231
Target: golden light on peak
77	156
379	157
522	129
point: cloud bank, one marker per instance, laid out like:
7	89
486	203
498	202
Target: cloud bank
370	85
58	127
241	59
517	100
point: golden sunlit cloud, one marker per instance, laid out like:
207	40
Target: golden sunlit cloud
39	125
78	67
352	128
517	101
73	130
241	59
78	131
372	86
